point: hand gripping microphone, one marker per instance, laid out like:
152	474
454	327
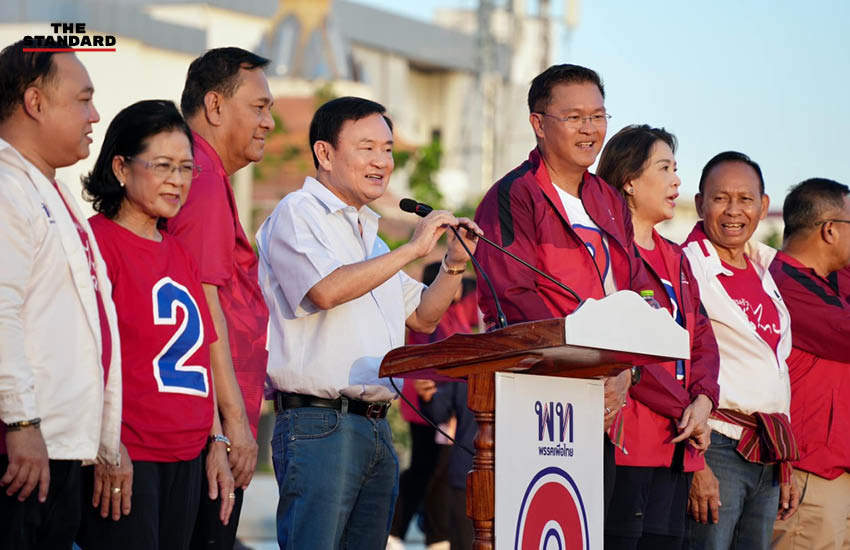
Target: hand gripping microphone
410	205
422	210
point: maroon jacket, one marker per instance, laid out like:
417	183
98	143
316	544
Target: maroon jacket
819	364
650	418
523	213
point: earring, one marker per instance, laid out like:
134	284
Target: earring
630	190
121	183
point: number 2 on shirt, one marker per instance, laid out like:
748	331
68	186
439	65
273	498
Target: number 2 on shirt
169	368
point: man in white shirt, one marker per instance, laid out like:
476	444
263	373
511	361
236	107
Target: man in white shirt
338	301
60	370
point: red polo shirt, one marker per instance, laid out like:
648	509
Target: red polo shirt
209	227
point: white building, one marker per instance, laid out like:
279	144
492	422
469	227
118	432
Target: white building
427	75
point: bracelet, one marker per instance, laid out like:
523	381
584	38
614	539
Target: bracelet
452	270
20	425
220	438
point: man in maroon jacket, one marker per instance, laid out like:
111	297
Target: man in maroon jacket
554	214
807	271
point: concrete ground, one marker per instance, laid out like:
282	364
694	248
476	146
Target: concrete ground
257	523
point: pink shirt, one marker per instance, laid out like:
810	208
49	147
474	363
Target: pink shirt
745	288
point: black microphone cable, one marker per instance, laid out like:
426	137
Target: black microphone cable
420	209
428	420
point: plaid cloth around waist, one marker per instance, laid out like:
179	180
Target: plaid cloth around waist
767	438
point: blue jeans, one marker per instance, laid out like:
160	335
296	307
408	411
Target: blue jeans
749	496
337	476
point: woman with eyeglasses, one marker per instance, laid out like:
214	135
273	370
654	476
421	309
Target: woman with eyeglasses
141	178
665	422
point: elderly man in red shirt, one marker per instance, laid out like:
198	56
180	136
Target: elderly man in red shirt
810	276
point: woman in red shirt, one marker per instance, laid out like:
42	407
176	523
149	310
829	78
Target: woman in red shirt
142	177
665	420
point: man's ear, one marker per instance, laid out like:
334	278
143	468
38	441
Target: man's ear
765	205
33	103
698	200
828	233
536	121
324	152
212	108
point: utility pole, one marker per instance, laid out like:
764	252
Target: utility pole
487	79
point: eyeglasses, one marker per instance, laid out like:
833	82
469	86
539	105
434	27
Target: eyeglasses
163	169
821	222
576	121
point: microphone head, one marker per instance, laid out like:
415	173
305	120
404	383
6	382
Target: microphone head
408	205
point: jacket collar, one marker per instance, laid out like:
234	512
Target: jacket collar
587	190
830	281
759	254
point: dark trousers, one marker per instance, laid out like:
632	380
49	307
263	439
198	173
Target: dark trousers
32	525
462	532
210	533
414	482
609	471
648	509
163	509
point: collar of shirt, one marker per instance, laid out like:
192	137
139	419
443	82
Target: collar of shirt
365	217
204	147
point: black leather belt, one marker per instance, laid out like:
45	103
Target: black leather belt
284	401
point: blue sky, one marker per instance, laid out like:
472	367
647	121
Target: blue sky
768	78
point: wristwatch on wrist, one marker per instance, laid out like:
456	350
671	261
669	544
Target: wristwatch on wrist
452	270
21	424
636	372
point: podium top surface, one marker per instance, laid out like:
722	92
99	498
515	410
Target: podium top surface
601	338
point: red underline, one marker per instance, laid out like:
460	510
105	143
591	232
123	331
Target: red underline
69	49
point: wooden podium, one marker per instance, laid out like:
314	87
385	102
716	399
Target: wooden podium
585	344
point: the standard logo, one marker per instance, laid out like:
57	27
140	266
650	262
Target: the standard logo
552	514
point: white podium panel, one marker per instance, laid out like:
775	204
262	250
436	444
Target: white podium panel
549	493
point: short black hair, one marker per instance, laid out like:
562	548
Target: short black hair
626	153
541	87
809	200
127	136
216	71
329	118
730	156
18	71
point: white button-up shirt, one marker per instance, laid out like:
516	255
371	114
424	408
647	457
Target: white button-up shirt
50	335
318	352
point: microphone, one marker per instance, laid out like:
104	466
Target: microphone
418	208
410	205
422	210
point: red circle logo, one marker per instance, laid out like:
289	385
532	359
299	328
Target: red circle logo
552	515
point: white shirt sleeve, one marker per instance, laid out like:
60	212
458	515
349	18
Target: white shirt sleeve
17	250
412	290
300	253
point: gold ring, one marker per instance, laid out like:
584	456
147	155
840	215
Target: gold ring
116	490
231	495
